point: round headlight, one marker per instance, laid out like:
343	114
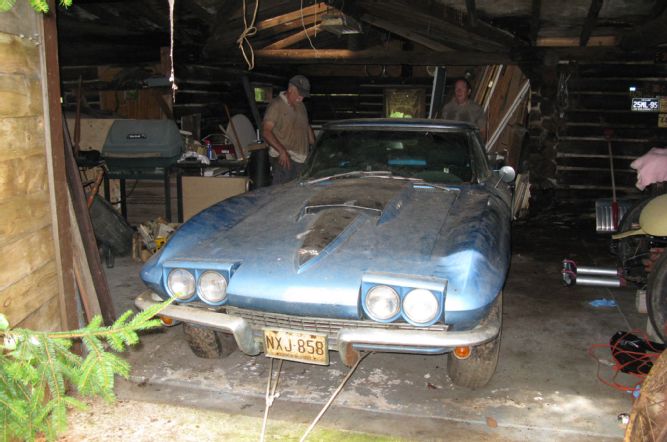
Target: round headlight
212	287
181	284
420	306
382	302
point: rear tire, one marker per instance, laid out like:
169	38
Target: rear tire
203	342
477	370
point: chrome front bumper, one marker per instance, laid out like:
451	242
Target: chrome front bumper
347	339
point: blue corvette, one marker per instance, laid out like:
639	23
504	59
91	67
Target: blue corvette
396	238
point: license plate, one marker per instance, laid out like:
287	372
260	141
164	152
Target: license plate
310	348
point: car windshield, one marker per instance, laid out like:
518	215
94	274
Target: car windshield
440	157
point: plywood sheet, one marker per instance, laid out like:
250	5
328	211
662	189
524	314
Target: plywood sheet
25	255
93	132
202	192
22	298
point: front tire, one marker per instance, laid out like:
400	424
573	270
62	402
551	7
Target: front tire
203	342
477	370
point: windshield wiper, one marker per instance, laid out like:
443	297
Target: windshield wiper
353	174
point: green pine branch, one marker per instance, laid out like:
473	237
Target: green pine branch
41	6
36	369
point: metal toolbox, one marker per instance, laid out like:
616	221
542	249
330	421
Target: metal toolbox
142	145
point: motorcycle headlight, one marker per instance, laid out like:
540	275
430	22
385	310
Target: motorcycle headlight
420	306
382	302
181	284
212	287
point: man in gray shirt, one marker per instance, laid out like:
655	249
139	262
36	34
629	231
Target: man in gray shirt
462	108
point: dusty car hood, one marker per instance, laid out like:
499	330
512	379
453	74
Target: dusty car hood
303	248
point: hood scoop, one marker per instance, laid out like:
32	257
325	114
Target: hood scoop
355	194
340	209
331	228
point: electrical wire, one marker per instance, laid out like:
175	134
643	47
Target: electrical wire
248	31
303	25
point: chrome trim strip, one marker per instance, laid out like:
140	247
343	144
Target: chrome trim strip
346	338
239	327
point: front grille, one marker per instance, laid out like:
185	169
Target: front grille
259	320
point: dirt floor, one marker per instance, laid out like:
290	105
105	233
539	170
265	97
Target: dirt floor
147	422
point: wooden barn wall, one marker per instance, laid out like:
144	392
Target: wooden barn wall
29	280
337	93
588	99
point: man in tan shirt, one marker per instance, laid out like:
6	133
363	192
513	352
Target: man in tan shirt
287	131
462	108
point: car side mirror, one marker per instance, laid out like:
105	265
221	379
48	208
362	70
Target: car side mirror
507	174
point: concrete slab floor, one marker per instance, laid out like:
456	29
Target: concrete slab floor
545	388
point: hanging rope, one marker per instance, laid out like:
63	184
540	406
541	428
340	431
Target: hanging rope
172	77
248	31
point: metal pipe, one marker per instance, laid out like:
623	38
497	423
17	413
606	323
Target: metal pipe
598	271
598	282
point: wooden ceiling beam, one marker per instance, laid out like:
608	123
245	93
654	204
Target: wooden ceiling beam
536	11
405	32
316	9
379	55
446	20
294	38
455	37
589	24
471	8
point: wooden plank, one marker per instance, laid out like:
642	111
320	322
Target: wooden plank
382	56
84	223
22	215
589	23
18	55
21	137
28	294
536	8
23	256
46	318
20	96
471	9
405	32
84	278
596	40
60	231
293	16
294	38
23	176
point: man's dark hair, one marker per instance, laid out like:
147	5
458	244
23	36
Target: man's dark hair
465	80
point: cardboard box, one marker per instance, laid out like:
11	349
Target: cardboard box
201	192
